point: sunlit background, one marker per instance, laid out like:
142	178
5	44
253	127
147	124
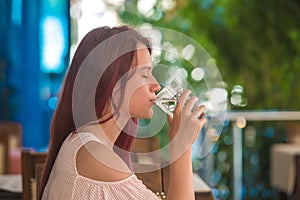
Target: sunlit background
255	44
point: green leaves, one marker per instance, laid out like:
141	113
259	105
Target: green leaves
256	43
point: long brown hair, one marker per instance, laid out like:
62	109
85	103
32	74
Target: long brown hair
63	122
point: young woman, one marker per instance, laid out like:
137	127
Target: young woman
108	86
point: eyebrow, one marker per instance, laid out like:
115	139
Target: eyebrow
146	67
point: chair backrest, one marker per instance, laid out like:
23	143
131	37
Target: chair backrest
10	139
30	160
39	168
152	178
145	145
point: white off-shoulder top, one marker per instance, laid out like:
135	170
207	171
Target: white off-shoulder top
65	183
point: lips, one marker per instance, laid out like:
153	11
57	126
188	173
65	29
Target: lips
152	100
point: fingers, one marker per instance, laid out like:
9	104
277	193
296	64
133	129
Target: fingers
190	103
187	104
182	100
199	112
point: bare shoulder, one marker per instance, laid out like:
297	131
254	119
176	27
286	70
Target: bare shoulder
96	161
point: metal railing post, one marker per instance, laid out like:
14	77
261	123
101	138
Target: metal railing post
237	162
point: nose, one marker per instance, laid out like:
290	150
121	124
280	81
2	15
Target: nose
155	86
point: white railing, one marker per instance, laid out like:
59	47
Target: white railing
239	120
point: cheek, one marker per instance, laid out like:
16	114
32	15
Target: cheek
138	100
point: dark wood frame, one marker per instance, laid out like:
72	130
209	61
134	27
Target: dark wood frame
30	159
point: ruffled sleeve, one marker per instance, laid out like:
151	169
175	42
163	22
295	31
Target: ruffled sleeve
130	188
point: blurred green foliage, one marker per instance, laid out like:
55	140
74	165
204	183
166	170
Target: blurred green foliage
256	43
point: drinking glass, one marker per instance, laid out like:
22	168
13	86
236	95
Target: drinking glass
167	98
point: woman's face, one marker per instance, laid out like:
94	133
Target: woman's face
141	87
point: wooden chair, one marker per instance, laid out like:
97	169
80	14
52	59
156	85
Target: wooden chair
145	145
10	139
31	166
39	168
152	178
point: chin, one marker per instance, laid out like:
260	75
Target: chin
142	112
147	117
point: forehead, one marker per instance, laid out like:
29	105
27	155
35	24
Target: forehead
142	56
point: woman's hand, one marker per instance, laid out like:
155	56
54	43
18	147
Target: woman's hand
186	123
184	129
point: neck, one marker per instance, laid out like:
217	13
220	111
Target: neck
108	131
113	127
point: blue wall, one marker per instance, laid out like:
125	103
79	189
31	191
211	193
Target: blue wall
26	89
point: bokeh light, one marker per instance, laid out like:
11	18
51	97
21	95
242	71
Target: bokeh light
198	73
241	122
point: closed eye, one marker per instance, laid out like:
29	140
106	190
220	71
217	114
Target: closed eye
146	71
